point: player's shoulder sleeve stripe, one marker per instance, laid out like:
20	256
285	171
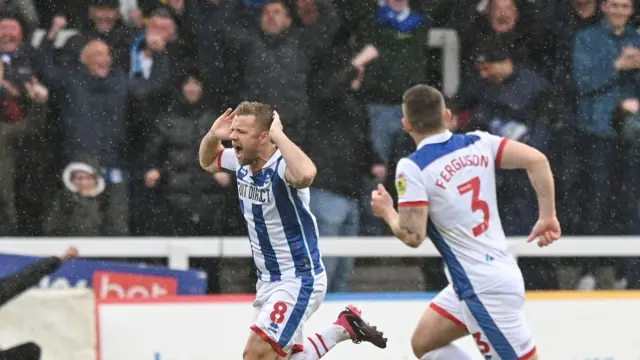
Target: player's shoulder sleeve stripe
432	152
501	147
219	159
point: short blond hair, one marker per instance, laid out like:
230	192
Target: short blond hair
262	112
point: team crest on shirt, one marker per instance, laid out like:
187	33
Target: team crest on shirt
401	184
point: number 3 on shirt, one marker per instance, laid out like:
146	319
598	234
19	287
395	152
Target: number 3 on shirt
473	186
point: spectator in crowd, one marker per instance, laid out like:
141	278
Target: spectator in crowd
24	112
400	35
605	73
96	97
277	58
183	14
80	209
160	35
342	148
158	41
15	52
508	20
104	24
569	17
195	199
11	115
23	10
16	70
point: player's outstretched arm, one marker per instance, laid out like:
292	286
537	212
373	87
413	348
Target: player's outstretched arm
211	146
409	223
300	170
516	155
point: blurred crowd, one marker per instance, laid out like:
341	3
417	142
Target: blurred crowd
101	116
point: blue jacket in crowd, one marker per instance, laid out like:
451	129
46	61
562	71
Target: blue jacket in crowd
600	87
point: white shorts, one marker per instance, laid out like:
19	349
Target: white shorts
496	322
282	308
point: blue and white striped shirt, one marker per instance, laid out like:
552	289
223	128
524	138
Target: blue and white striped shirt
283	232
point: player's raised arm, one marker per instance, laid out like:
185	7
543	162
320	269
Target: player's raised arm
516	155
211	146
300	170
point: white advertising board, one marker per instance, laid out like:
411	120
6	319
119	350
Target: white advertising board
61	322
567	326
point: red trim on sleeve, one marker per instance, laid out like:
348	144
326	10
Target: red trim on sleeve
413	203
503	143
529	355
269	340
448	315
219	160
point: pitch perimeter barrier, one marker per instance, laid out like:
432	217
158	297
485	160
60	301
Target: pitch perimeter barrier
179	250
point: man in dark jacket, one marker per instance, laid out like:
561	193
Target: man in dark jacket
605	64
96	97
606	60
16	284
196	199
94	109
15	70
278	59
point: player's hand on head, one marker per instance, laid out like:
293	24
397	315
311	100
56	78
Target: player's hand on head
381	202
546	230
221	128
276	127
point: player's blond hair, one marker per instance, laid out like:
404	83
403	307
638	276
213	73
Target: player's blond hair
262	112
424	108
